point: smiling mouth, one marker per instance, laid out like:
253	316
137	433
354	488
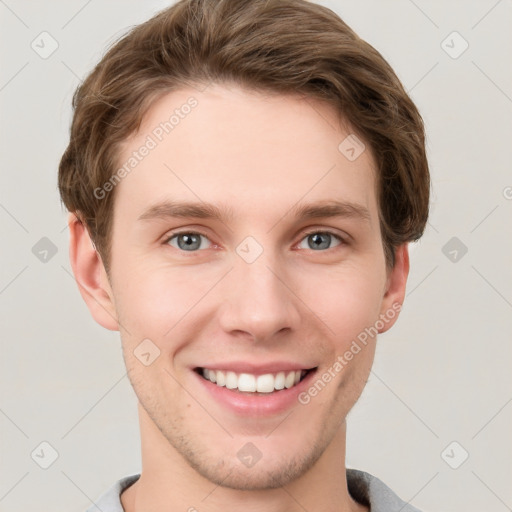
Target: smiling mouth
254	384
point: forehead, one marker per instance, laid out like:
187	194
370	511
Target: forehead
256	152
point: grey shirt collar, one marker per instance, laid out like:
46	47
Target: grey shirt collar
363	487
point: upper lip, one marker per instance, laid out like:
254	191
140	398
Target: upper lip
257	369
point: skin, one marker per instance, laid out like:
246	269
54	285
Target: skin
259	155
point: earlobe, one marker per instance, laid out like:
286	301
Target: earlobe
395	288
90	275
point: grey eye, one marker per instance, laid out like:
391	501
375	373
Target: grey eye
320	240
187	241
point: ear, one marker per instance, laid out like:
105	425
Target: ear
90	275
395	288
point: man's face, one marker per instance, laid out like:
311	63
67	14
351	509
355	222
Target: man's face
260	291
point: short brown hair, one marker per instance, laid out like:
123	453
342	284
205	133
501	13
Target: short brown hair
279	46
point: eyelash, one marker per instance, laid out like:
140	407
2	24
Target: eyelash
342	241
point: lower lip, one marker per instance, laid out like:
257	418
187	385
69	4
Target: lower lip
257	404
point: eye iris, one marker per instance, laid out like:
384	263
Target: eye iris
191	241
318	242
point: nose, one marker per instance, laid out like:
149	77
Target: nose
258	301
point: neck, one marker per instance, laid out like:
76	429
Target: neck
168	482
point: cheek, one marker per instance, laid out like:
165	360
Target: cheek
347	300
152	300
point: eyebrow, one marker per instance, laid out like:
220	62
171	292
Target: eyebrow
201	210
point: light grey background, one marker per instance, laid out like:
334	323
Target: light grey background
442	374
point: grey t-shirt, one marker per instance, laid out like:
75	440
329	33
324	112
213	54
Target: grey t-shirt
363	487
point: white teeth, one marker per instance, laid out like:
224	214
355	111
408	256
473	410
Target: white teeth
249	383
209	375
231	380
289	380
265	383
246	382
279	381
221	378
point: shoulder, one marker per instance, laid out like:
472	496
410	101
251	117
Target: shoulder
372	492
110	500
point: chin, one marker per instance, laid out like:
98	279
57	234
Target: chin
264	475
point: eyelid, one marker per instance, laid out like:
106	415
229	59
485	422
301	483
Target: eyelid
169	236
342	238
